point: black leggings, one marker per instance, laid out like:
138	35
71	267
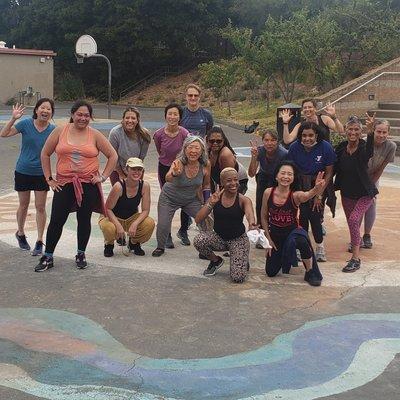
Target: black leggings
63	201
301	244
162	171
313	218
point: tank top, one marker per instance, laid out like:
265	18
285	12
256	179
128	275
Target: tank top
216	171
183	190
127	206
76	160
282	219
228	221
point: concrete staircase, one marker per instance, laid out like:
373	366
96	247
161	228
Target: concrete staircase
390	111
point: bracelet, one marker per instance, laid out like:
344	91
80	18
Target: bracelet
334	118
103	178
209	206
286	123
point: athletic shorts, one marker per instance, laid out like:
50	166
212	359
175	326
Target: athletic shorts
24	183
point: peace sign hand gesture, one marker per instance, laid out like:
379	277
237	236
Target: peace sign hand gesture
320	181
216	196
176	168
286	116
18	111
370	122
253	148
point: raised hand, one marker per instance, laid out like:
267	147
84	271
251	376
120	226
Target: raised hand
253	148
370	122
286	116
18	111
330	110
176	168
216	196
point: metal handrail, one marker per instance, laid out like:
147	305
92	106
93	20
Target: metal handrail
363	84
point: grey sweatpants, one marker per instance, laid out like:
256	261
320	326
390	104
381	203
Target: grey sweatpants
166	210
208	242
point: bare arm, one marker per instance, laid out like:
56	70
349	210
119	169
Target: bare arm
331	120
207	175
302	197
247	207
264	218
226	159
9	129
111	201
48	149
145	203
253	166
289	137
175	169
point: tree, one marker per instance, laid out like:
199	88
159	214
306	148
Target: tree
221	77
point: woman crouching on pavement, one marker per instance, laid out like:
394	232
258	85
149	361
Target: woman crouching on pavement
279	216
122	208
229	207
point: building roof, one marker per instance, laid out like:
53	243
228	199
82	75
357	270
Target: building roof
28	52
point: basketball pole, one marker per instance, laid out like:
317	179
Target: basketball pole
109	82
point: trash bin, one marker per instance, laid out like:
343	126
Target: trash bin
295	110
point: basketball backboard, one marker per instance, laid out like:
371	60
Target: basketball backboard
86	46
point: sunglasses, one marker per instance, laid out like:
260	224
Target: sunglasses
217	141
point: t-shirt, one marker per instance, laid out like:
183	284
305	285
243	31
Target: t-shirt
311	162
197	122
32	144
168	147
383	154
267	165
127	147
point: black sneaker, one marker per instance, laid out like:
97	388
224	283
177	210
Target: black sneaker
45	263
169	244
80	260
38	250
366	242
312	280
213	267
352	265
108	250
184	237
22	242
135	247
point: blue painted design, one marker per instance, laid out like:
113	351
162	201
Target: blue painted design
313	360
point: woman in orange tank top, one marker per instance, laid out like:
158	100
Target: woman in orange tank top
77	186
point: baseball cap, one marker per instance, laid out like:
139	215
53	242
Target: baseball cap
134	162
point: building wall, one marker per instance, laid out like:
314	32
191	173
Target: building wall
20	71
386	88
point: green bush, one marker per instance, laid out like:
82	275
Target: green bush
69	87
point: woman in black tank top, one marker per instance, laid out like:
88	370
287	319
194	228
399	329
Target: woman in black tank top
229	207
123	214
279	216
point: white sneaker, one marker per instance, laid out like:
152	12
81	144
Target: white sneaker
320	254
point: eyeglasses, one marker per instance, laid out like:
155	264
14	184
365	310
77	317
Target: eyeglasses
216	141
192	95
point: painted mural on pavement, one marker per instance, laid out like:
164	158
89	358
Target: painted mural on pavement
55	355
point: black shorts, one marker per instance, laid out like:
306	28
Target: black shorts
25	183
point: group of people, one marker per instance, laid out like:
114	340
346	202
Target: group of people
199	174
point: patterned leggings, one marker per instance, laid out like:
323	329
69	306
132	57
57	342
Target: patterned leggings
208	242
355	210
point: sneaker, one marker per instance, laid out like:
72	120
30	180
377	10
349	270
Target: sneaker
311	278
136	249
38	250
352	265
45	263
108	250
80	260
298	255
320	254
184	237
158	252
169	244
366	241
213	267
22	242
